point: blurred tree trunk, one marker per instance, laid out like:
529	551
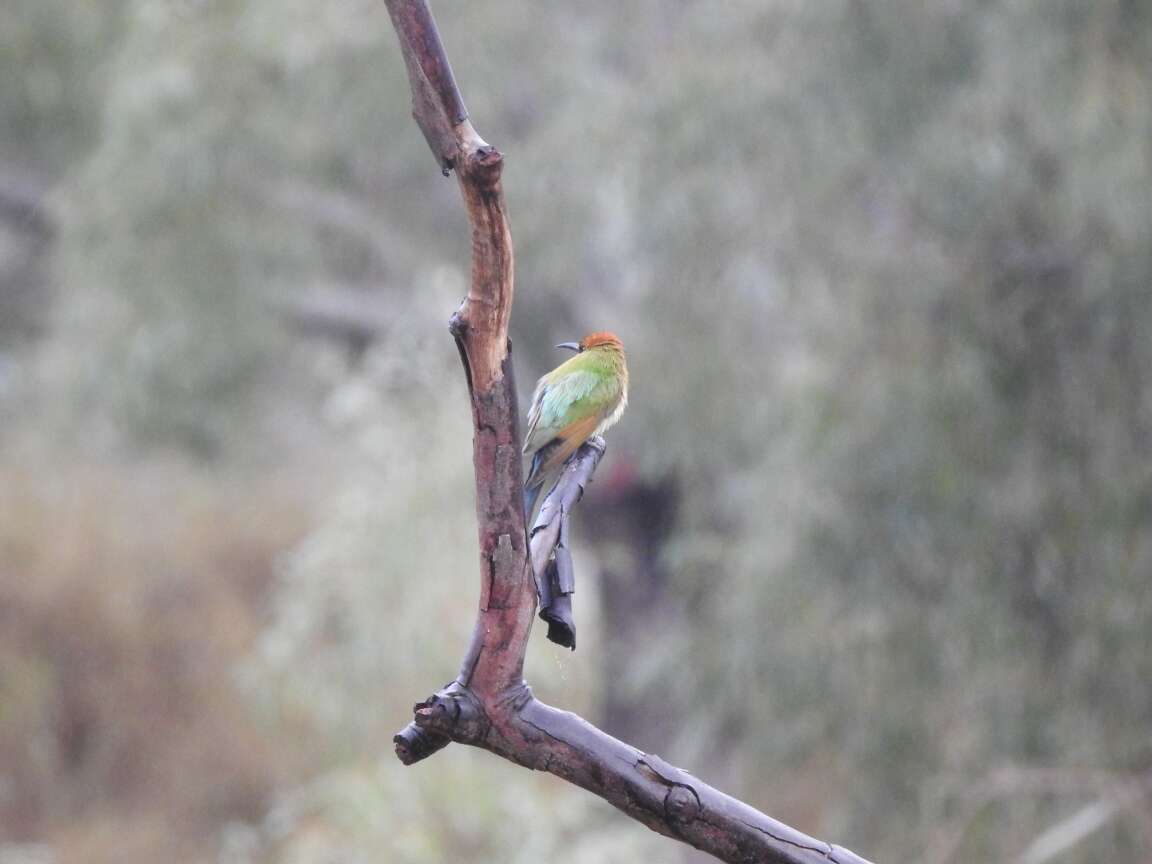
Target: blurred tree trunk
637	517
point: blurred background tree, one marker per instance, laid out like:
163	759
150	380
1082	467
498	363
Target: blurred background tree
875	534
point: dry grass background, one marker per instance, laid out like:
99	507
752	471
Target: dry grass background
129	594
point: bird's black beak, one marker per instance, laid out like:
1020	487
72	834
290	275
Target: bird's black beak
571	346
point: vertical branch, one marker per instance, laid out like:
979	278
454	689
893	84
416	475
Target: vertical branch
494	663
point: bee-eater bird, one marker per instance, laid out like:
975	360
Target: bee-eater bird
582	397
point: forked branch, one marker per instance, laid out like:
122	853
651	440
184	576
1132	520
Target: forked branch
489	705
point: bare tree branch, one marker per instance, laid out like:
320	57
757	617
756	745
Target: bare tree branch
548	544
489	705
436	102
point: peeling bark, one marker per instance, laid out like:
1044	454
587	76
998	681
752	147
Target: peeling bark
489	705
548	545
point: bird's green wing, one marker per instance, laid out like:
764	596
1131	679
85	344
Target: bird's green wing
567	396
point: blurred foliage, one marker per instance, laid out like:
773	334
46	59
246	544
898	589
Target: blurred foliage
52	65
53	61
883	270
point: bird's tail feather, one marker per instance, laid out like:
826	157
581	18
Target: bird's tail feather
531	493
534	483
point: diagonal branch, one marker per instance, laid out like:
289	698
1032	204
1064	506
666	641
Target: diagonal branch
489	705
436	102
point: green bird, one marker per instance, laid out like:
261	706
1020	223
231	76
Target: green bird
583	396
